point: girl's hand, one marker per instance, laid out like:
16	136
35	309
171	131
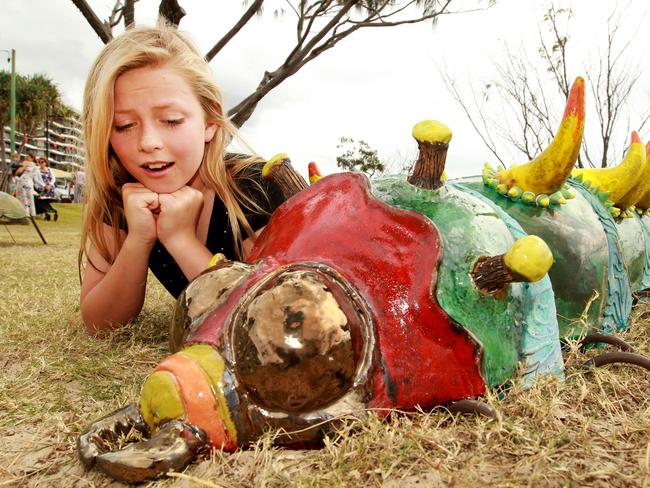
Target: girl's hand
179	214
140	205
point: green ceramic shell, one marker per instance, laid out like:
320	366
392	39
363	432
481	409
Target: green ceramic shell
469	228
580	251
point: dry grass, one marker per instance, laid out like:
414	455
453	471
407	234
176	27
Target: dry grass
591	430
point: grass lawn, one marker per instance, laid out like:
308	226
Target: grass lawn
591	430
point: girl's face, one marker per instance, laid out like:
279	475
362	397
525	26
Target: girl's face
159	129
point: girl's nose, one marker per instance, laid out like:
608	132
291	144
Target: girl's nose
149	140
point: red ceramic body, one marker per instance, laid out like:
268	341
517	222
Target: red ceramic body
390	257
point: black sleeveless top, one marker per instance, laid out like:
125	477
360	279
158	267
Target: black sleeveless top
220	236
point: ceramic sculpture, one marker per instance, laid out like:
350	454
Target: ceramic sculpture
400	293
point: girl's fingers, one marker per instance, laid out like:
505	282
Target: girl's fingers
179	213
136	193
140	205
153	203
184	197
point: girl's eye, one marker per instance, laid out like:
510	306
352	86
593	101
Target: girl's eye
174	122
123	127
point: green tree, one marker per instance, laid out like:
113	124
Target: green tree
36	97
358	156
319	26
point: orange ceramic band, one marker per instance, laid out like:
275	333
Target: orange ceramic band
200	404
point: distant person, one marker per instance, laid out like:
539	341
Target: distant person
79	186
162	192
15	163
28	180
47	175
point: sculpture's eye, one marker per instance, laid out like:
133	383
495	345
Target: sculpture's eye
204	294
296	342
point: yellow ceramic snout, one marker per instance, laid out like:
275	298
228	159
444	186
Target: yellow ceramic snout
188	386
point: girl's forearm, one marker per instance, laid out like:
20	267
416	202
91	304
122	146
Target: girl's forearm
118	296
191	255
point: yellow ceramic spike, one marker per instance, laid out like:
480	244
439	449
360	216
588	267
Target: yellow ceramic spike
638	190
548	172
529	258
621	179
644	202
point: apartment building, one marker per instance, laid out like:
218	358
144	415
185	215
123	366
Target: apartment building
60	140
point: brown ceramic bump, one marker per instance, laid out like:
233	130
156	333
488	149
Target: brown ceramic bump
205	293
428	169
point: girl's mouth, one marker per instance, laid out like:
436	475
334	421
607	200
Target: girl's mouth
157	166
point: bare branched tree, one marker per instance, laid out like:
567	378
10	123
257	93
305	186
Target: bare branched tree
319	25
525	116
475	111
611	86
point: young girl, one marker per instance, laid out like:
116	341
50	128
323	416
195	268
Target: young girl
161	192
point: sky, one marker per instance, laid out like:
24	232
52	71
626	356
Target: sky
374	85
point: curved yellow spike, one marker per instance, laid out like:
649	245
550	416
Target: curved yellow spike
638	190
620	179
549	171
644	201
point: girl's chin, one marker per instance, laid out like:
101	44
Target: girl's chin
159	186
170	183
164	189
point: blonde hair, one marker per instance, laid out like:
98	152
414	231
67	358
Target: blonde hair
136	48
